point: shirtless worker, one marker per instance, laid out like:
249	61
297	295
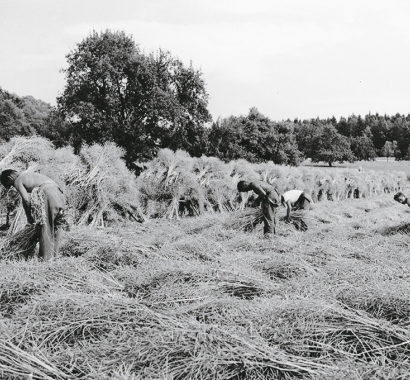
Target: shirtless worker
46	206
270	199
296	200
401	198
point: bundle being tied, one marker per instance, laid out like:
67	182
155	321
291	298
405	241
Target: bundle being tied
21	242
300	220
244	219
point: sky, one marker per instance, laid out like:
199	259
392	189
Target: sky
288	58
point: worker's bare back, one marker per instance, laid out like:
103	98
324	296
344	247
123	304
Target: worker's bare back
260	187
30	180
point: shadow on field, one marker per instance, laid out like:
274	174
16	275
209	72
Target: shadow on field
325	166
403	229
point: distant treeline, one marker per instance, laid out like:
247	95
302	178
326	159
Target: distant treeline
115	92
27	116
253	137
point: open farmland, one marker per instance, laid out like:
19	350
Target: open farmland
380	164
187	294
194	299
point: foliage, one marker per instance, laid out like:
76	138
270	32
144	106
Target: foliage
21	116
330	146
362	148
389	149
323	143
306	134
400	136
160	103
56	129
142	103
254	138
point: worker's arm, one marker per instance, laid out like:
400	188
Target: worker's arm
258	200
309	198
257	188
26	200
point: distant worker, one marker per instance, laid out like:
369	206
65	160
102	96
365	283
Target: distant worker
45	208
401	198
268	197
296	200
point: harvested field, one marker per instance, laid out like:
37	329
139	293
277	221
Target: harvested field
199	298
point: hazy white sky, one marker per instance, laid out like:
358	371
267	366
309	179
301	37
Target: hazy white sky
288	58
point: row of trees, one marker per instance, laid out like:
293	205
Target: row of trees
147	102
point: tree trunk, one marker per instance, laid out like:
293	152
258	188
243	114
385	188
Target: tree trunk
330	164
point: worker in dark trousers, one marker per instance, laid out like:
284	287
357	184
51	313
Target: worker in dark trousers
269	199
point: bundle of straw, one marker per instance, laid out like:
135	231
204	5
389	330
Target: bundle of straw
101	188
20	151
402	229
299	220
244	219
20	244
21	239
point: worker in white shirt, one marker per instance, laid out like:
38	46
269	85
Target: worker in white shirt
296	200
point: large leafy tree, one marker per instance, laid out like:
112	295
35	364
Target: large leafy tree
306	134
330	146
143	103
362	146
224	140
363	149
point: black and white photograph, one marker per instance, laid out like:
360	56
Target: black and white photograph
204	190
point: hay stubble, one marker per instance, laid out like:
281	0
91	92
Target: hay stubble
197	299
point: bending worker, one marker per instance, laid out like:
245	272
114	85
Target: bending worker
45	207
296	200
268	197
401	198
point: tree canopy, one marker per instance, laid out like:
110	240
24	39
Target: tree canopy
143	103
255	138
330	146
21	116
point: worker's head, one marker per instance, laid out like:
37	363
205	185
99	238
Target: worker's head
400	197
7	177
244	186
